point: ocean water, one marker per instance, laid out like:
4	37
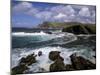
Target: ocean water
25	43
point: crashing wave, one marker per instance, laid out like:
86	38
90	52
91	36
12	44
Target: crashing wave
28	34
44	61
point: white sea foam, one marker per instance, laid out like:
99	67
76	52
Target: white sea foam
41	36
44	61
28	34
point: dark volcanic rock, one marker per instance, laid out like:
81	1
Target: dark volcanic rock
28	60
79	63
39	53
53	55
20	69
58	65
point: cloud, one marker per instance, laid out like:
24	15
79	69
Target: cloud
60	13
59	16
44	15
32	11
84	12
63	9
22	7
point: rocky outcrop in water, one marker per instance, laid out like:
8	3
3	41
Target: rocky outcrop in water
28	60
53	55
23	65
58	64
39	53
80	63
20	69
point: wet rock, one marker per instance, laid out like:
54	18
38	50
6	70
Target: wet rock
58	65
39	53
80	63
20	69
48	32
53	55
69	67
30	59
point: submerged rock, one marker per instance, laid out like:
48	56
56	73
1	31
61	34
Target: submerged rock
30	59
20	69
58	65
53	55
39	53
80	63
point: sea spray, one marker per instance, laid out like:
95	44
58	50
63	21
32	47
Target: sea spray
43	62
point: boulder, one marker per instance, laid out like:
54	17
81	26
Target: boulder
20	69
28	60
80	63
39	53
58	65
53	55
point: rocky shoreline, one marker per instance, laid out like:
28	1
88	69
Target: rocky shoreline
77	63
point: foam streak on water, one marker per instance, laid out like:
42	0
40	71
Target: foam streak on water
25	39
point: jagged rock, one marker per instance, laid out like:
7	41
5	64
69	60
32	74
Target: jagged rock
58	65
53	55
39	53
80	63
20	69
69	67
28	60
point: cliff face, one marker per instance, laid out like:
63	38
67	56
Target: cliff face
80	29
71	27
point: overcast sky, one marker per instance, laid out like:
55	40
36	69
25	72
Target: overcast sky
30	14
